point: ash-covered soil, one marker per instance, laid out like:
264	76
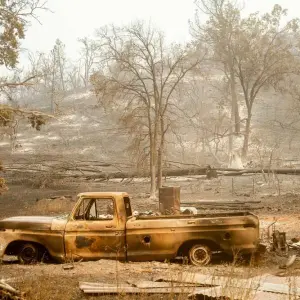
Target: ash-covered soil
51	281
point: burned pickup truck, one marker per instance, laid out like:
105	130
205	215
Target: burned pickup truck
101	225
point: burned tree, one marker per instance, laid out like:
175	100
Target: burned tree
89	57
139	76
218	34
264	57
253	53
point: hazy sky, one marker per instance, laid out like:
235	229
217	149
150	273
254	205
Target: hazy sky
72	19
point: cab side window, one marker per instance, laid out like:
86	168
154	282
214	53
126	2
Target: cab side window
96	209
82	210
101	209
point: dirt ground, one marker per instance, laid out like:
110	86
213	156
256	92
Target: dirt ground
280	200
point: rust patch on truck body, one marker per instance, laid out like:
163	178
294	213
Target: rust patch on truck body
83	242
93	235
225	232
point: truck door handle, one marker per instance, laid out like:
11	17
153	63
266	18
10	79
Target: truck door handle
191	222
109	226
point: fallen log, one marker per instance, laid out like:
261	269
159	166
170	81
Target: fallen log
221	202
195	172
99	174
232	208
236	172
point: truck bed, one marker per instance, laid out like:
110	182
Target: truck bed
207	215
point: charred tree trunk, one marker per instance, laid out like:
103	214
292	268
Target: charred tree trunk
246	137
152	166
235	116
235	127
86	73
53	84
154	126
159	169
61	71
160	154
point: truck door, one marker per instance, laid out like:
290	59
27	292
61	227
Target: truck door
94	231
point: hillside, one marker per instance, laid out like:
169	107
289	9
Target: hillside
83	136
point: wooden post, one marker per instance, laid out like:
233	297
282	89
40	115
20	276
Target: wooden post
169	200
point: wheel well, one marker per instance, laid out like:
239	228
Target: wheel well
14	247
186	246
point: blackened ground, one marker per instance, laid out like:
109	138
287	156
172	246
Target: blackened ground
51	281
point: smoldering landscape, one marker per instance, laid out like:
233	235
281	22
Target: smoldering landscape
134	113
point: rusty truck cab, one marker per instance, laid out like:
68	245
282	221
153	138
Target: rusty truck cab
96	226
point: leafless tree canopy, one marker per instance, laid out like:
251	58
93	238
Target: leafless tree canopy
139	75
229	97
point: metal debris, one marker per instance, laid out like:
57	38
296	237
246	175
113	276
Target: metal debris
188	210
151	287
104	288
295	246
255	283
68	267
277	240
291	259
7	292
146	284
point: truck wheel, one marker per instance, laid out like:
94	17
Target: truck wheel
200	255
29	254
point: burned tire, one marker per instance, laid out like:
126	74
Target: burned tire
29	254
200	255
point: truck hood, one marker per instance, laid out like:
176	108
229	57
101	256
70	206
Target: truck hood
32	222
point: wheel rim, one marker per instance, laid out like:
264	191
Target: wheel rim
200	255
28	254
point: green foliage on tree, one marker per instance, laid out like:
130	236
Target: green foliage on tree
15	16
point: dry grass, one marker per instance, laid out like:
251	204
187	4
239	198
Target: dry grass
52	283
50	288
